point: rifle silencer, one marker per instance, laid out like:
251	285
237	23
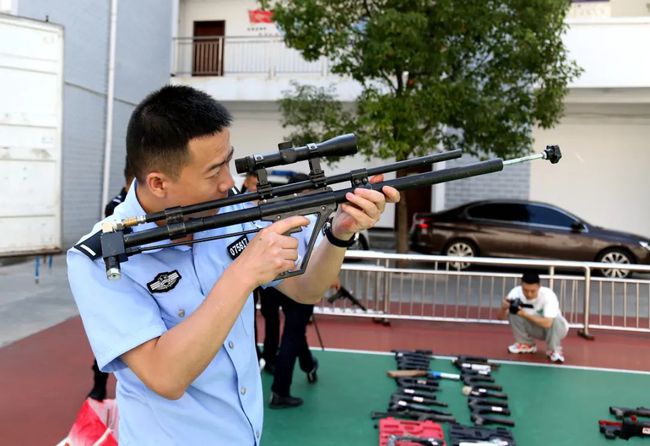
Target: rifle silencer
338	146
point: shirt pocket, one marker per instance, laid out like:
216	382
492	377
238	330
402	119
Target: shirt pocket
173	288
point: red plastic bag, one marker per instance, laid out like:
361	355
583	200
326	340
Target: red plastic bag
95	425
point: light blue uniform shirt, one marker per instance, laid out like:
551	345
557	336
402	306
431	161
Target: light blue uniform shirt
224	405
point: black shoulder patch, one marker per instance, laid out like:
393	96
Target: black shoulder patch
92	246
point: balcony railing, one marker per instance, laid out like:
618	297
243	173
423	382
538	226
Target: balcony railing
225	56
611	50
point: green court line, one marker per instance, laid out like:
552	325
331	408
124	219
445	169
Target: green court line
550	405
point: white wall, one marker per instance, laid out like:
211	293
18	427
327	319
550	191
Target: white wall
609	8
604	175
234	12
613	52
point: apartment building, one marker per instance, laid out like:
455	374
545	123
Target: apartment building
233	50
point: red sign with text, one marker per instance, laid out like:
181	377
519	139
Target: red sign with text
260	16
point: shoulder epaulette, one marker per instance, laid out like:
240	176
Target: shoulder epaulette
92	246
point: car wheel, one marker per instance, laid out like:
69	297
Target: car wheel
616	256
460	248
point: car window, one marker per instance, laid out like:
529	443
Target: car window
543	215
511	212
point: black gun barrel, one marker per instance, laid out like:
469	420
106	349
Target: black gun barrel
280	207
287	189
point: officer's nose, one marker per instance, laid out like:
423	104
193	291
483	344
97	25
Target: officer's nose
226	185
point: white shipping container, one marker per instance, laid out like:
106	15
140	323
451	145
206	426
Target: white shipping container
31	90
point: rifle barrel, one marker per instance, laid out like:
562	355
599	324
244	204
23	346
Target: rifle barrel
287	189
297	203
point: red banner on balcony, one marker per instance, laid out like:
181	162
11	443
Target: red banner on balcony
260	16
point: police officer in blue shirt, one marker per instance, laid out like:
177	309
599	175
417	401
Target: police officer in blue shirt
177	329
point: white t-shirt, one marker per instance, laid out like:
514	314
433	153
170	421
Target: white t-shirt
546	304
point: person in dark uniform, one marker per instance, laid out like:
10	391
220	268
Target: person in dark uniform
98	392
119	198
248	186
280	361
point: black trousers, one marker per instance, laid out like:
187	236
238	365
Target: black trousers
294	337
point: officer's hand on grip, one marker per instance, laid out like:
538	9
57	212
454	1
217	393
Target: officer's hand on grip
363	209
270	252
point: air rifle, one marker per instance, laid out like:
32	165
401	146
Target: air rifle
115	243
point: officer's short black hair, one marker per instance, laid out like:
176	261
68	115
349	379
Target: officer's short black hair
128	172
530	278
162	125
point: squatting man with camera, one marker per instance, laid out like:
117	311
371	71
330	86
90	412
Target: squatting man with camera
534	313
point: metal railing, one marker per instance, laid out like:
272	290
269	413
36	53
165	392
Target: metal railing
224	56
424	287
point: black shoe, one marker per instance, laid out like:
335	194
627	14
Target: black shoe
284	402
312	377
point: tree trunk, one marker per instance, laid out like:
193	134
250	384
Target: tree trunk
402	224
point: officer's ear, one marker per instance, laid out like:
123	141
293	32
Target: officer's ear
157	183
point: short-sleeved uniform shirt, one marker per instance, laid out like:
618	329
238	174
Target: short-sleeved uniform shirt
546	304
158	290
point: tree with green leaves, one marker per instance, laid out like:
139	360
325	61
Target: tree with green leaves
475	74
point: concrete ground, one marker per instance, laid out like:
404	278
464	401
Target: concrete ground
27	307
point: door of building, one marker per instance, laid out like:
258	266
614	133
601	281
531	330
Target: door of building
207	48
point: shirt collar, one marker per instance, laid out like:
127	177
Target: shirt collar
131	207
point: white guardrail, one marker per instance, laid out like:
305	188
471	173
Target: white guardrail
427	287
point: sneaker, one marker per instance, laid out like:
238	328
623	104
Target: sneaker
312	377
519	347
284	402
556	356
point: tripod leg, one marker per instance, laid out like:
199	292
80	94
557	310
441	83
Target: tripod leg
320	340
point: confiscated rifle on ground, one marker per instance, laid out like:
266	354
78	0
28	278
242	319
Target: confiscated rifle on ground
116	242
633	423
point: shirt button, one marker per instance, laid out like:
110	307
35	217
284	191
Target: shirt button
257	434
181	313
242	390
231	345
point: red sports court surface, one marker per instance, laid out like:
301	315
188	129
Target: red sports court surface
45	377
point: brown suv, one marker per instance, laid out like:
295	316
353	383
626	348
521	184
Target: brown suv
524	229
